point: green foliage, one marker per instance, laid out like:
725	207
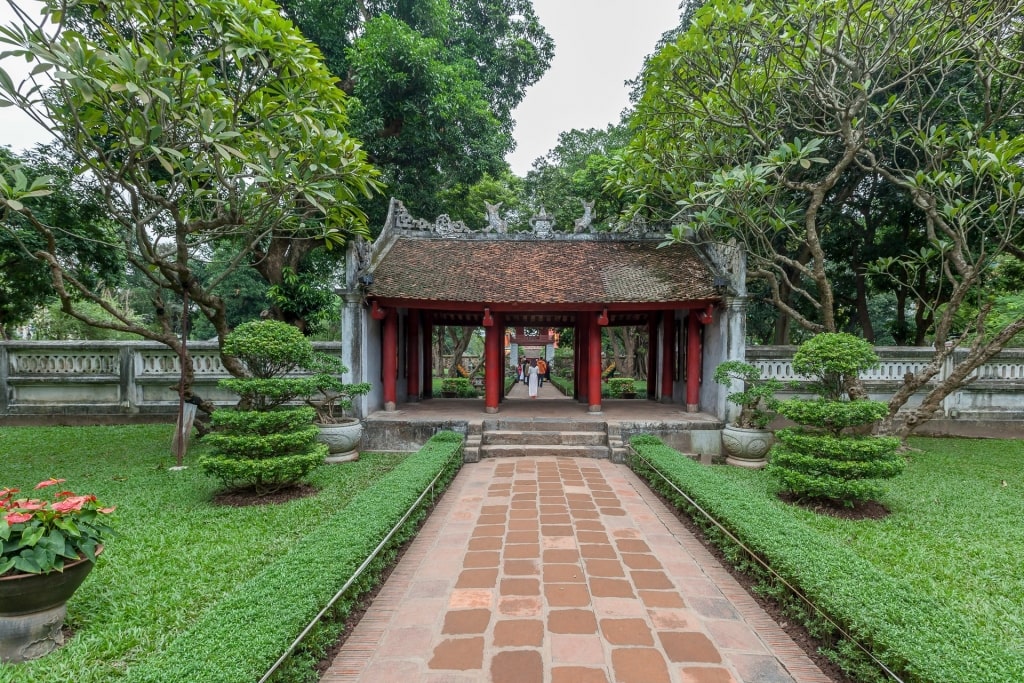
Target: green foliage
240	637
757	401
436	82
269	348
832	416
888	582
177	552
331	393
460	386
62	198
834	359
617	386
155	101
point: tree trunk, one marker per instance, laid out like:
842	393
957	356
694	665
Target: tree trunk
460	338
863	316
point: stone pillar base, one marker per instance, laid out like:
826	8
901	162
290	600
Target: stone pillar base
596	409
491	411
692	408
390	406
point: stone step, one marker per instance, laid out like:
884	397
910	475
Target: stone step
518	451
537	438
542	424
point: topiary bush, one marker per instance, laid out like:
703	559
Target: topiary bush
820	459
621	387
264	445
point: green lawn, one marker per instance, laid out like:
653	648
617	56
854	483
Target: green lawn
175	553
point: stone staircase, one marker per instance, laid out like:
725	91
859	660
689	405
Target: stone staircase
503	438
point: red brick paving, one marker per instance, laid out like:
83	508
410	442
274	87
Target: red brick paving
560	570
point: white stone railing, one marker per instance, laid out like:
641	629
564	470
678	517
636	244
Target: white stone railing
105	378
995	390
127	378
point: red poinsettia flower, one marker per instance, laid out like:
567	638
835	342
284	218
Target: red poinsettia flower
18	517
49	482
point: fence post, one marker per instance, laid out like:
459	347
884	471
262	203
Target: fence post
4	389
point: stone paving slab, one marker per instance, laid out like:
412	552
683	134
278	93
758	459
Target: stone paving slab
563	570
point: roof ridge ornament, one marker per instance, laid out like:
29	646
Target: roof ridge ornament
543	223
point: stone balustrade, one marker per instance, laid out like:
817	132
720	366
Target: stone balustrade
994	392
97	379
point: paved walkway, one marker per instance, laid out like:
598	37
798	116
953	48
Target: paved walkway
562	570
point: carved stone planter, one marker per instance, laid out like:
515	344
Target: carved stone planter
746	447
32	611
342	439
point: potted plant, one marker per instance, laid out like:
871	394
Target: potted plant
47	548
747	439
331	397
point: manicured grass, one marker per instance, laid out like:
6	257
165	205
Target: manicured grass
936	588
175	554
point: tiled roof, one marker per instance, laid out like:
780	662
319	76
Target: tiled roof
541	272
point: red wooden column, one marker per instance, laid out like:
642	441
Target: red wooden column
692	362
494	370
412	362
389	359
652	357
668	349
593	364
582	356
428	359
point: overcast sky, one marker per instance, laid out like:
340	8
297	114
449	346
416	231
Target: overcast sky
599	45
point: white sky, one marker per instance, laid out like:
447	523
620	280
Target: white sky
599	45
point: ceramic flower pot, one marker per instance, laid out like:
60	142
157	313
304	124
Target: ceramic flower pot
746	447
342	439
32	610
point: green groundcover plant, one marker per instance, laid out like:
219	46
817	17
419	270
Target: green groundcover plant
39	536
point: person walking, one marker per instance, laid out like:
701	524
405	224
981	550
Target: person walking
542	371
533	379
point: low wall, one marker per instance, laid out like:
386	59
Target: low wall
990	404
82	382
86	382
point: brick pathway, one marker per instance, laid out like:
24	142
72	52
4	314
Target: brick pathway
561	570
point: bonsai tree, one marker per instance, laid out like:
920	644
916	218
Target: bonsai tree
331	397
621	387
265	445
820	459
757	401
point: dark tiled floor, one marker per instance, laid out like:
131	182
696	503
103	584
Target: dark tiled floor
562	570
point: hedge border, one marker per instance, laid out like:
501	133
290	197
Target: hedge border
239	639
915	635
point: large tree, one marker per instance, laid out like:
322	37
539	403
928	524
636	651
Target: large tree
436	82
201	121
764	119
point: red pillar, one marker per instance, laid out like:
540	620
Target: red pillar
652	357
593	364
582	357
412	350
668	349
692	362
389	363
428	359
494	370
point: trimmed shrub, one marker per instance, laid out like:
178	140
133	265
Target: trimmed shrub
620	386
266	447
818	461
